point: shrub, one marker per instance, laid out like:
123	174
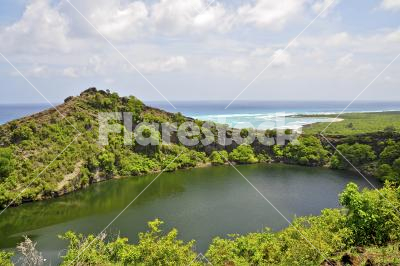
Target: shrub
154	248
372	215
243	154
218	159
107	161
21	133
6	162
5	258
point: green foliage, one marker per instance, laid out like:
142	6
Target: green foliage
288	247
135	106
219	157
357	123
373	216
21	133
154	248
369	219
390	153
357	154
179	118
107	161
243	154
308	151
5	258
6	162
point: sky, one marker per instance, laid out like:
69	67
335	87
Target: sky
191	50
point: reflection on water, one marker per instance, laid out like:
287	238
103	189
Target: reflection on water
201	203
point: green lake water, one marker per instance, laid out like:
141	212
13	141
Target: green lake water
201	203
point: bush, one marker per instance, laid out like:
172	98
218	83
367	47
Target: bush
372	215
154	248
243	154
21	133
5	258
218	159
6	162
107	161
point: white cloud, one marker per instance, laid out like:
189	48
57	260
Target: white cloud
344	61
70	72
262	51
172	17
364	68
391	4
120	22
281	58
227	65
322	5
41	28
339	39
271	14
175	63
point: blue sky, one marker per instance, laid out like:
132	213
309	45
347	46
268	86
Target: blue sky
208	55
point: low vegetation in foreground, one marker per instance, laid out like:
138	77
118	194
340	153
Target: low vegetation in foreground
365	231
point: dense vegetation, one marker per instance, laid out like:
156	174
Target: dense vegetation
29	145
357	123
369	142
365	231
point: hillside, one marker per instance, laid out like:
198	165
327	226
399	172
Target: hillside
55	152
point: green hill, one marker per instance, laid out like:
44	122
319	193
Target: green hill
56	151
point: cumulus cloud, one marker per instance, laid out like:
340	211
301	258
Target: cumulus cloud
271	14
391	4
120	22
41	28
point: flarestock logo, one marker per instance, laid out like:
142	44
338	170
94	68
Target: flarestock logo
193	133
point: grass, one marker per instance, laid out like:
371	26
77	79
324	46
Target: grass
356	123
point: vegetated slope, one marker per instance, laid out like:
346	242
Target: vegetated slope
39	152
44	155
57	151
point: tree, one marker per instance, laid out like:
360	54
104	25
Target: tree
357	154
390	153
308	151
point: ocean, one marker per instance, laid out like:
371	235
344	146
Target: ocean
258	114
271	114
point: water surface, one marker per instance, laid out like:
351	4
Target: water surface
202	203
